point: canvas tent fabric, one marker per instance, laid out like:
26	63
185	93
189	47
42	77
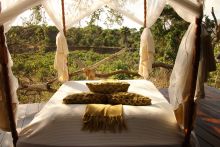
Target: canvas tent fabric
75	11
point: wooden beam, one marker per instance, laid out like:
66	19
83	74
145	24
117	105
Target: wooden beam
6	89
163	65
38	87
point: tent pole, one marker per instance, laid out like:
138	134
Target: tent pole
190	105
145	13
6	89
63	17
64	23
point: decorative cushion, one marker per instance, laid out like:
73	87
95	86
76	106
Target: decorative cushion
86	98
108	87
126	98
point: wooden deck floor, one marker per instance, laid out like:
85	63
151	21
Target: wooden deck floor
207	126
207	123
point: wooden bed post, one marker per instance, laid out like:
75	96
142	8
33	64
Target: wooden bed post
63	17
145	13
190	105
6	89
64	25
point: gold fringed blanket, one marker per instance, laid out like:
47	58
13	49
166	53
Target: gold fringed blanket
104	117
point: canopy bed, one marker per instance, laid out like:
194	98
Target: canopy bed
148	125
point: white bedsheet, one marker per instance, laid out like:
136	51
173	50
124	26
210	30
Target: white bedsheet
58	124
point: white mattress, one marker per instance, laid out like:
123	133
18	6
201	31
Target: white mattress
58	124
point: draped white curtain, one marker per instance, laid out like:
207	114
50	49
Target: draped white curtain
12	10
60	62
178	88
147	50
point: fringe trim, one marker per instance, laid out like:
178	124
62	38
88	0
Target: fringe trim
104	123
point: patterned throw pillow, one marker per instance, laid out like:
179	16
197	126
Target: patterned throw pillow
126	98
86	98
108	87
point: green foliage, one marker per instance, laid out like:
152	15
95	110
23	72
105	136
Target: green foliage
50	33
168	32
214	77
43	38
210	24
38	67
